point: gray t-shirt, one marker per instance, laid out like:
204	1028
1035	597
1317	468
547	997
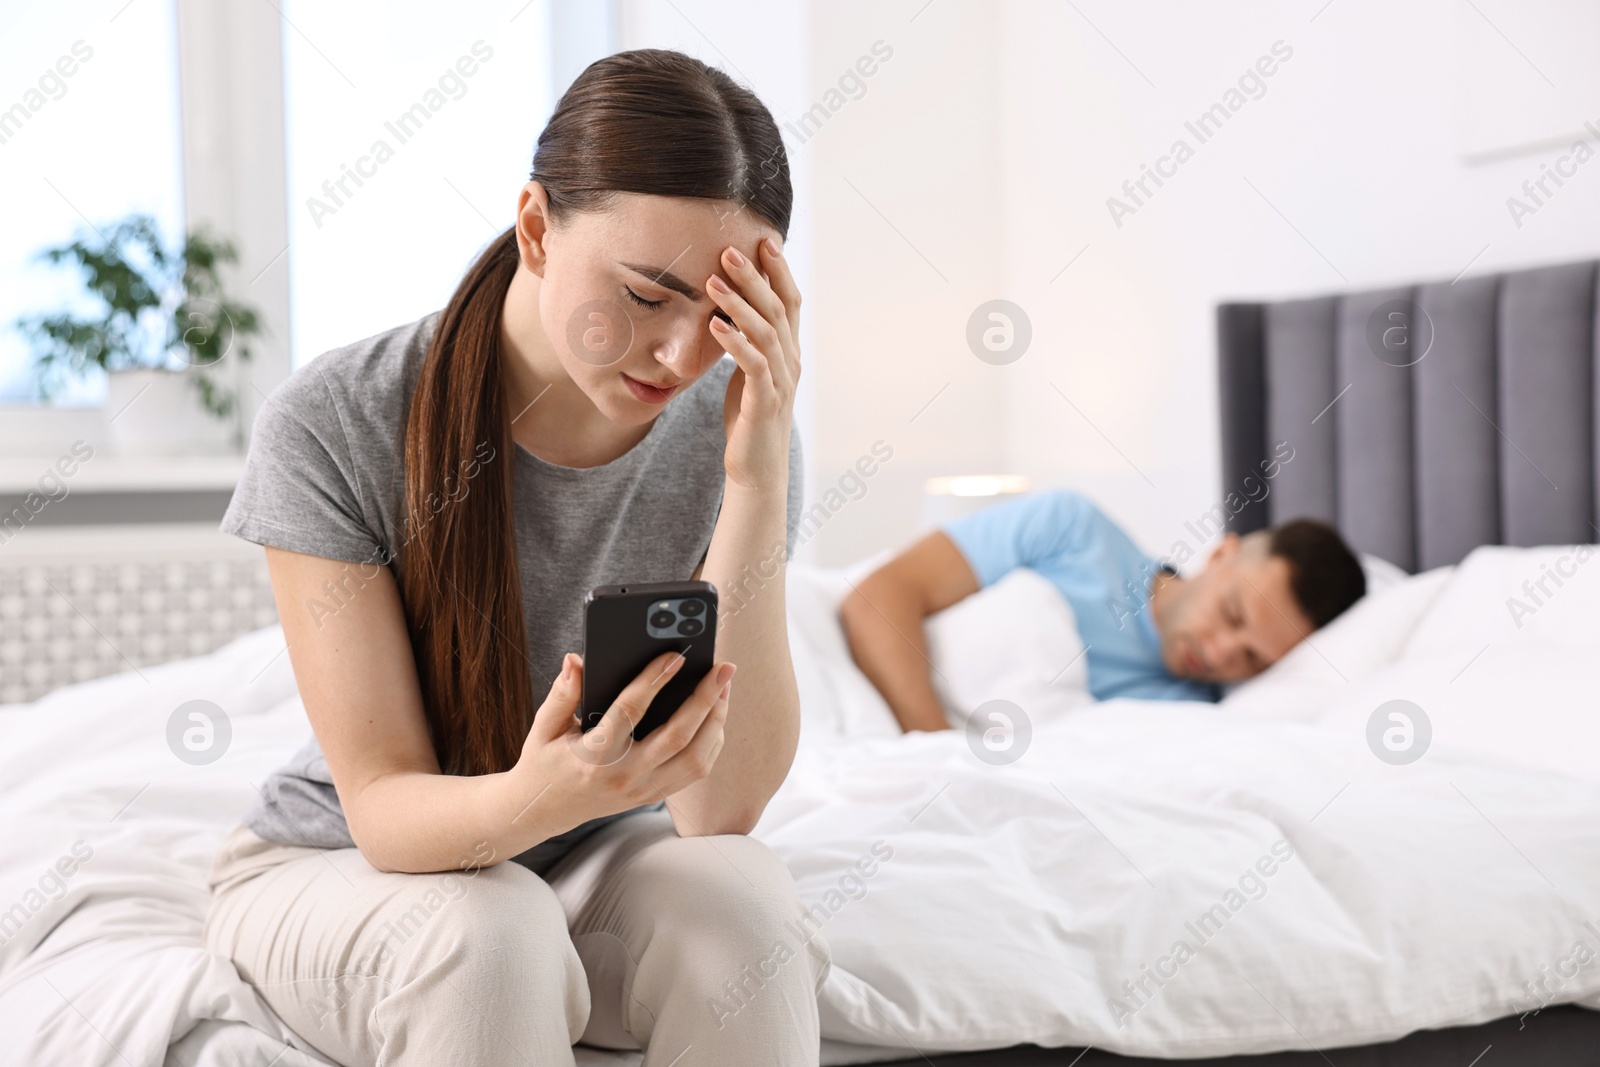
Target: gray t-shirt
324	477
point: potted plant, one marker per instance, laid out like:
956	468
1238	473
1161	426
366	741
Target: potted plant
160	327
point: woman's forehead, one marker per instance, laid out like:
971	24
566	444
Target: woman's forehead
640	225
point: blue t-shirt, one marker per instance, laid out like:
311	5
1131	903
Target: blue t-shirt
1104	576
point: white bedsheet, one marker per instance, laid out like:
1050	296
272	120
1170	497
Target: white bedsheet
1015	901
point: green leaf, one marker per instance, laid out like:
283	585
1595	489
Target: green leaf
153	308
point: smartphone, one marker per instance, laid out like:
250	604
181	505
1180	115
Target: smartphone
627	626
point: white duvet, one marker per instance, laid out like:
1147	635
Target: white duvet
1159	879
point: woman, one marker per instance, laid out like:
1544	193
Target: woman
435	502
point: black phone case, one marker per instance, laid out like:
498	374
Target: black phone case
617	646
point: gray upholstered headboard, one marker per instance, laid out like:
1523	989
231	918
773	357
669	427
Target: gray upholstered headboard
1425	419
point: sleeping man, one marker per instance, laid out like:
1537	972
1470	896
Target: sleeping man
1147	632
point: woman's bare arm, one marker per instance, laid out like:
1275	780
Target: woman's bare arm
746	559
746	564
884	622
357	677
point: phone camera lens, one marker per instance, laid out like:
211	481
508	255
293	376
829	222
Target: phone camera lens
690	627
692	607
661	619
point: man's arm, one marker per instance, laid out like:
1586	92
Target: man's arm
883	621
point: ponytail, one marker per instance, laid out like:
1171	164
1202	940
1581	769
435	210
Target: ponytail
459	575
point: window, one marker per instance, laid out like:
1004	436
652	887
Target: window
410	130
89	133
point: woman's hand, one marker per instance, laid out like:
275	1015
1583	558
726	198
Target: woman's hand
764	305
566	777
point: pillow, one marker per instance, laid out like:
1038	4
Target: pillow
1548	595
1367	637
1501	678
1380	573
835	697
1015	640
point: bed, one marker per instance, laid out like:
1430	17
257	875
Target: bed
1333	901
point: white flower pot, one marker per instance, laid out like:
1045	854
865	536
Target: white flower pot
158	413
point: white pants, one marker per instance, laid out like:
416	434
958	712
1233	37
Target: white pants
690	948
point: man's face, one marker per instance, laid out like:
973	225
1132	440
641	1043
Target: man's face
1234	619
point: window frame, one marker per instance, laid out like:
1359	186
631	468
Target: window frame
231	111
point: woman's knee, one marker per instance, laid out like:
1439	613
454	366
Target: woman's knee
492	913
732	867
498	935
746	902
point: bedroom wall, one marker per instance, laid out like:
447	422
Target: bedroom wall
986	148
909	237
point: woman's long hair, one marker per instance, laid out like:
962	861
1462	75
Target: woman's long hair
648	121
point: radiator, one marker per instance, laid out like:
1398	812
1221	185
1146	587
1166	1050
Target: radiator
83	602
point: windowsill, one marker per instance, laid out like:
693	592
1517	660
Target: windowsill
133	542
125	474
